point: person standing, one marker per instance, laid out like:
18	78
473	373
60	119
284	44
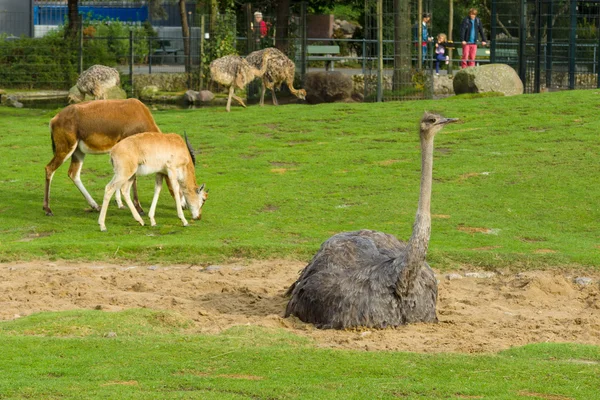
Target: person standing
440	51
259	26
425	38
469	28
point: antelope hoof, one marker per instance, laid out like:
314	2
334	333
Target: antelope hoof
102	229
49	213
141	223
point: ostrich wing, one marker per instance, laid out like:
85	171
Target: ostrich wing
351	250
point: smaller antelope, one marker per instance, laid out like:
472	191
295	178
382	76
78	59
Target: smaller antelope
167	155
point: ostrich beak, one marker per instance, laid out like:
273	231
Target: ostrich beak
445	121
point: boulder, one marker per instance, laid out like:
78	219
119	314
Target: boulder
114	93
205	96
13	101
194	97
148	92
327	87
499	78
442	85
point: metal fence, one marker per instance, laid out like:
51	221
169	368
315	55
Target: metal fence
552	44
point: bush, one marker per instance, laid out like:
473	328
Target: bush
43	63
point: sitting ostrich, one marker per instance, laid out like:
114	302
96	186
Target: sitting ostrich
95	81
279	69
370	279
234	71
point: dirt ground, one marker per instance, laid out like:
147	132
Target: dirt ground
476	314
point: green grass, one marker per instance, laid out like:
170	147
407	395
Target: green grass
284	179
65	355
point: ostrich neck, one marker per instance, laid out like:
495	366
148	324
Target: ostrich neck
260	72
419	241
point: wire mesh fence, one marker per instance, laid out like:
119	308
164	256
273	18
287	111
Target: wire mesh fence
552	44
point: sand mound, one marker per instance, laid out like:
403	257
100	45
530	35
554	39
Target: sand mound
477	314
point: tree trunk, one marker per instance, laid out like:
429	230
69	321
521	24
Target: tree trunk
185	30
73	20
282	23
402	41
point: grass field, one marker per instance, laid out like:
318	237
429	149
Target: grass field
516	185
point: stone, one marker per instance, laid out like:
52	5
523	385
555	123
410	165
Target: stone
13	101
480	275
148	92
443	85
328	87
500	78
116	93
190	96
205	96
452	277
583	281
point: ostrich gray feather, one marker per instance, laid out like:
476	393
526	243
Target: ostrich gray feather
371	279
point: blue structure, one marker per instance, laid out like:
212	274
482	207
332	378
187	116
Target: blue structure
57	14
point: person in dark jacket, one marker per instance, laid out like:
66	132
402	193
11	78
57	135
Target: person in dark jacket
469	28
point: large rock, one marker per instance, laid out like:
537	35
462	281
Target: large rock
114	93
194	97
327	87
13	101
488	78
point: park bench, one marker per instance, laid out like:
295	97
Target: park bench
165	50
482	55
327	53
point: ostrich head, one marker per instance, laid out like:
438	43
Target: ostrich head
432	123
301	94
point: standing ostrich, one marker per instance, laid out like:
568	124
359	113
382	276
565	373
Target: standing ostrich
368	278
234	71
279	69
95	81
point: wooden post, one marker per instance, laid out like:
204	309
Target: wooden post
201	61
131	61
379	50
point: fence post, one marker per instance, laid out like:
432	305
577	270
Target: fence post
80	44
597	54
150	55
538	46
380	50
522	42
201	61
494	15
304	54
549	45
131	61
572	43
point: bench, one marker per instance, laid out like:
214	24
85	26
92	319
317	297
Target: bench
482	55
165	50
325	53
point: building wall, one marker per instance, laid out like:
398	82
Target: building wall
16	17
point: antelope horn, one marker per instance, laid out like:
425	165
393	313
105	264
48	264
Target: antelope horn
190	148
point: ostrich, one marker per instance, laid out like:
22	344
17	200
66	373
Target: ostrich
95	81
234	71
279	69
368	278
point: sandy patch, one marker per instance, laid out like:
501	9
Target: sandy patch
475	314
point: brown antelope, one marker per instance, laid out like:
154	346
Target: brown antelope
167	155
93	128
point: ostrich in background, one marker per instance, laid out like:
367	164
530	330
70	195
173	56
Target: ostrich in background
279	69
234	71
368	278
96	81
